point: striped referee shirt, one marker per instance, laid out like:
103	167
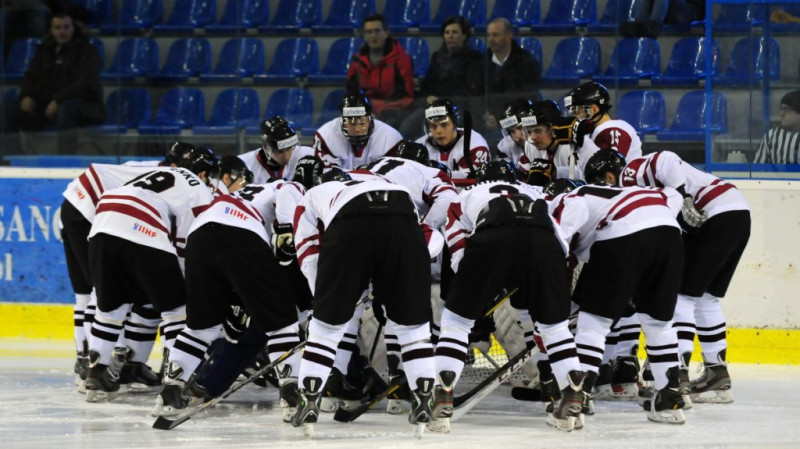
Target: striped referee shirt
779	146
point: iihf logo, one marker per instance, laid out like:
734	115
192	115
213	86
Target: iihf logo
144	230
235	213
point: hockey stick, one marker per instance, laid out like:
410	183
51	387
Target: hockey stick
343	415
468	141
164	423
526	394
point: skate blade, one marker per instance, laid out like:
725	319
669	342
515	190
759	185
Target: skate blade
667	417
100	395
687	402
288	412
579	422
419	429
439	425
329	405
139	388
565	424
397	407
713	397
308	430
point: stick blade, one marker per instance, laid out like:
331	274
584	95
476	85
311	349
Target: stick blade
163	423
343	415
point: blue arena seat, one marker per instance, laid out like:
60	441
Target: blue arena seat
295	105
330	110
93	12
519	12
339	55
645	110
126	108
187	15
418	51
689	121
473	10
752	59
19	57
181	108
294	58
239	57
574	58
631	60
615	13
402	14
134	16
564	16
687	62
738	18
345	15
234	109
100	47
187	57
533	45
11	95
291	15
477	43
239	14
136	56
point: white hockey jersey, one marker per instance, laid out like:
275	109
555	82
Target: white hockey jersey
665	169
454	159
263	172
463	214
593	213
318	209
84	192
560	159
431	190
508	150
333	148
617	135
146	208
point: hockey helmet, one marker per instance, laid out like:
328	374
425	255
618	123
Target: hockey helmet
497	171
199	159
408	149
176	152
441	110
308	168
547	113
512	113
562	185
278	135
602	162
586	95
234	167
355	107
334	174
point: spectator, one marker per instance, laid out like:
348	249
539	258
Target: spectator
781	145
512	71
383	70
61	86
456	71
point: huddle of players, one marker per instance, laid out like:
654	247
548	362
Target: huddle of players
636	257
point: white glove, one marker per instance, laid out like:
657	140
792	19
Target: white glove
283	244
693	217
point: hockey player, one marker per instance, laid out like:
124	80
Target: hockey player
134	257
355	138
214	283
371	233
512	145
718	220
631	247
445	140
507	223
280	150
547	137
76	215
593	127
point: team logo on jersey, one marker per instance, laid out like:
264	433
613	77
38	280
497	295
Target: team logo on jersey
81	195
236	213
142	229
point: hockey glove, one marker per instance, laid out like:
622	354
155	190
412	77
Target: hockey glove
235	324
692	217
581	128
562	131
283	244
541	173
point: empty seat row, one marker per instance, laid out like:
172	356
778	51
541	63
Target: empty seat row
292	15
645	110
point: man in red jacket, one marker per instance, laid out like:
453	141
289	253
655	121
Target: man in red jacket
383	70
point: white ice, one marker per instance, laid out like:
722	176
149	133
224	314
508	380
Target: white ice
40	408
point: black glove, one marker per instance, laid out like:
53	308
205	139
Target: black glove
581	128
283	244
541	173
235	324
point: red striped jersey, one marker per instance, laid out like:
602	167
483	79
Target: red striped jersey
84	192
333	148
711	195
454	159
263	172
617	135
560	159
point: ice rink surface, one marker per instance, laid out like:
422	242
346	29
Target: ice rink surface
40	408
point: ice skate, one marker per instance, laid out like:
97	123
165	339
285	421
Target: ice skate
602	386
713	386
175	397
399	402
81	369
564	413
421	405
547	383
339	393
307	411
625	379
289	394
666	405
102	383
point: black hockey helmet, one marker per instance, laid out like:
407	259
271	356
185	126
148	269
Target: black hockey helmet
512	113
586	95
199	159
334	174
497	171
176	152
278	135
562	185
602	162
355	105
308	168
234	167
542	172
415	151
547	112
441	110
